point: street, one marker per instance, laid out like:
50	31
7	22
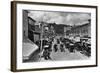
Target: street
58	56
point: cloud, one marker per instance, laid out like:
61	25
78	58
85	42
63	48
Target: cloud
68	18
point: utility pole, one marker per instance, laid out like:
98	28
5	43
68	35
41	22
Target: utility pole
65	32
41	39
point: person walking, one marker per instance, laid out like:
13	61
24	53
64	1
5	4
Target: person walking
62	47
55	47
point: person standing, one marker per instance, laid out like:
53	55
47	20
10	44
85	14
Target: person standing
47	51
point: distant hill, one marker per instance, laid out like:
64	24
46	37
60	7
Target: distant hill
59	28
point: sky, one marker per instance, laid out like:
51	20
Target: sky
67	18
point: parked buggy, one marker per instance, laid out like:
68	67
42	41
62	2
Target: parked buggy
87	49
78	46
71	47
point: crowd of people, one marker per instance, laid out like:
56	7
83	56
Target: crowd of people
56	44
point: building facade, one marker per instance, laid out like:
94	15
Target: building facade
81	30
33	30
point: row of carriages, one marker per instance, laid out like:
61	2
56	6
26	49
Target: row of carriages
83	46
